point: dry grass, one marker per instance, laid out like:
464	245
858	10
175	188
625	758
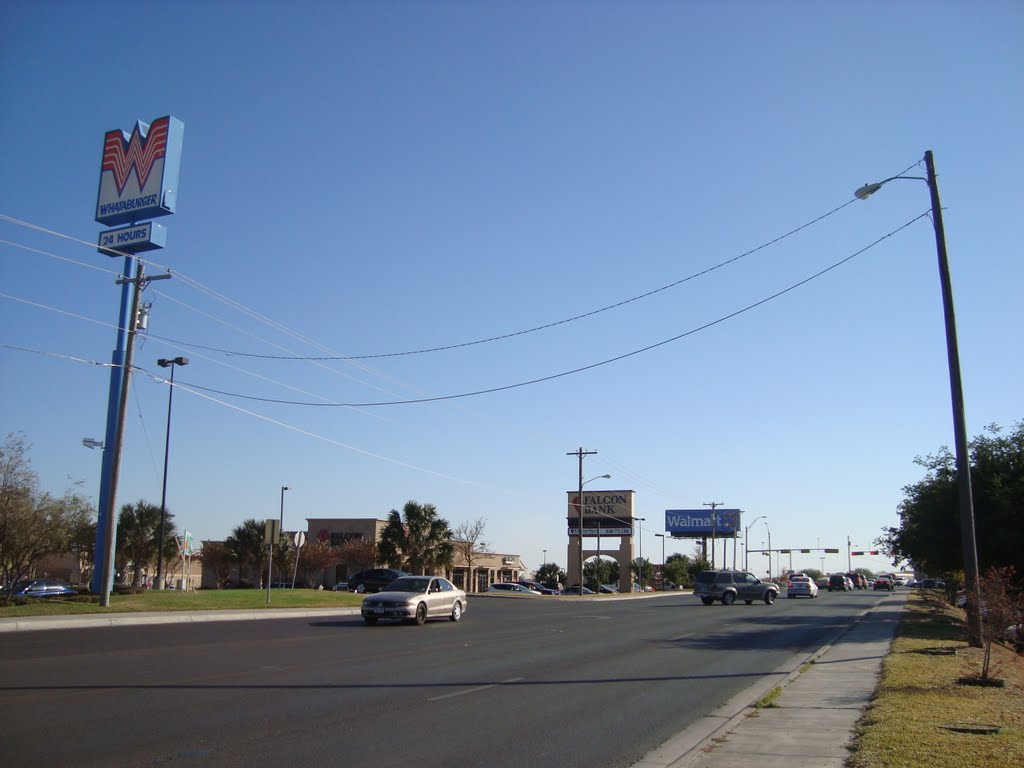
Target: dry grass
919	699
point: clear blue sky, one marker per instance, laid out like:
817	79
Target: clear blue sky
366	178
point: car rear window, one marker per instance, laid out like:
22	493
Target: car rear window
723	578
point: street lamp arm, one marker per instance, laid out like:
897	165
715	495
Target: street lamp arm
869	189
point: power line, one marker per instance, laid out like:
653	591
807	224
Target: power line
581	369
534	329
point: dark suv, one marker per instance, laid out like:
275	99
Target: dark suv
373	580
730	586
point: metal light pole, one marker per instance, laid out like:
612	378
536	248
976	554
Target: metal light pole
283	489
746	547
714	528
580	453
599	477
769	550
662	537
640	560
171	363
280	528
963	464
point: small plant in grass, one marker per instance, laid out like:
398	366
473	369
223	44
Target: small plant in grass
770	699
1002	607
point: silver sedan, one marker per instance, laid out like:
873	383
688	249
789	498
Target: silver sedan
415	599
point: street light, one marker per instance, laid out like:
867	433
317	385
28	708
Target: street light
662	537
91	442
598	564
746	547
171	363
963	466
640	556
769	550
281	526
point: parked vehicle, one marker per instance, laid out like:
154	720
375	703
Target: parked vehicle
511	588
730	586
373	580
538	587
415	599
41	588
575	590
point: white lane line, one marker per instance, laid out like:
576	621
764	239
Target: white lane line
479	688
680	637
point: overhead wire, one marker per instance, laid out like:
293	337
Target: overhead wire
589	366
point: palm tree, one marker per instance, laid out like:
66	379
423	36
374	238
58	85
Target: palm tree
138	531
246	541
421	541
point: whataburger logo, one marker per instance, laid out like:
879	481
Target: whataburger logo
140	152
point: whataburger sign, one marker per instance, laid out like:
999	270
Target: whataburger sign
139	171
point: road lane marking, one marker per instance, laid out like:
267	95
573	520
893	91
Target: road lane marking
479	688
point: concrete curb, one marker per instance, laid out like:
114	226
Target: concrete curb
82	621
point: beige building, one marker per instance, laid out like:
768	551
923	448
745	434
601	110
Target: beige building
487	567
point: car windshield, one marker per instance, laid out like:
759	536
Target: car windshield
407	584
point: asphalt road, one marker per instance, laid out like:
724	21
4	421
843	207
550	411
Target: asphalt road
519	682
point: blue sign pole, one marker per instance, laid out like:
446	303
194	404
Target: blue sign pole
113	404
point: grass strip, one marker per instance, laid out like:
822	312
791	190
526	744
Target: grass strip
922	715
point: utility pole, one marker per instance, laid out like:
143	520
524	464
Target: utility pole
580	453
714	528
139	282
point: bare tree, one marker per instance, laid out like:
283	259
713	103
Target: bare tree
359	554
468	541
32	524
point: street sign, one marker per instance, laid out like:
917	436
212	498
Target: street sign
271	531
300	538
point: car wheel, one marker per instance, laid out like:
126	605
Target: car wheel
728	598
769	597
707	600
456	611
370	620
421	613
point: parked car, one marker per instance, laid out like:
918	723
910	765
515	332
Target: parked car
373	580
41	588
511	588
837	582
415	599
730	586
609	589
801	586
575	590
883	583
538	587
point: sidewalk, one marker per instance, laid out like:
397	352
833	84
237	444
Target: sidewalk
813	719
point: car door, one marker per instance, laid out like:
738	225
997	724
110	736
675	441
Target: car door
436	599
747	586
